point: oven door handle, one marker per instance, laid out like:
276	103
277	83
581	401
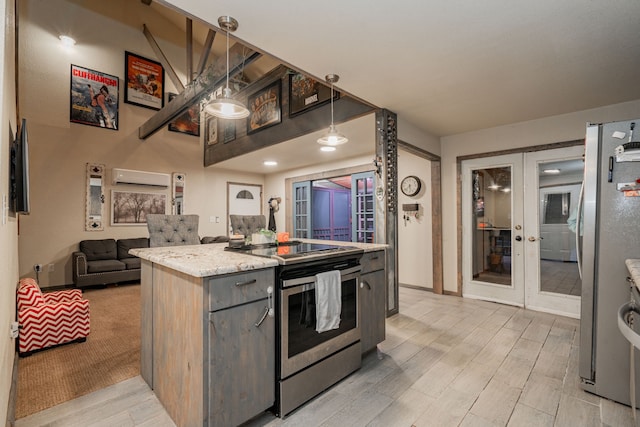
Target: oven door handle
268	310
287	283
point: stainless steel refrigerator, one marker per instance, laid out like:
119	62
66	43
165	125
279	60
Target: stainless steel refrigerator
611	233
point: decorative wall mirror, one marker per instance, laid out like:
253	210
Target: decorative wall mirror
177	193
94	197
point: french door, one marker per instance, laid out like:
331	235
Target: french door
518	244
340	208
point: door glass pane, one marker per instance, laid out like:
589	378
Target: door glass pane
558	190
492	218
363	208
301	198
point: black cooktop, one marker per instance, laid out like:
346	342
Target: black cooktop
294	250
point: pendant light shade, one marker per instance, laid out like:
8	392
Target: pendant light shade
332	137
226	107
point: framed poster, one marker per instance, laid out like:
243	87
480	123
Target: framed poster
211	130
227	130
132	207
306	94
94	98
145	82
265	107
188	122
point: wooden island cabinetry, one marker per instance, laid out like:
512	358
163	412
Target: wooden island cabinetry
208	338
202	353
372	300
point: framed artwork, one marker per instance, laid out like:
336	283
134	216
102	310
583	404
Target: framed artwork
265	107
94	98
188	122
227	130
306	94
211	130
131	207
145	82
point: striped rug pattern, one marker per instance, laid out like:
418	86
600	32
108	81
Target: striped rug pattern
46	320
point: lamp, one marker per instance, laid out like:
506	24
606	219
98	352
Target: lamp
227	107
333	137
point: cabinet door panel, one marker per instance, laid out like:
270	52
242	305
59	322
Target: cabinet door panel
241	364
372	309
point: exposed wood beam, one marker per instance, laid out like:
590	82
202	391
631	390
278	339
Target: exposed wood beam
239	57
211	35
163	59
189	42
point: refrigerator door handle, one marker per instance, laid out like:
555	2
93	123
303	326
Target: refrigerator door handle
579	229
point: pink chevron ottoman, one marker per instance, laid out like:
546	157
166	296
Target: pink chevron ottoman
51	318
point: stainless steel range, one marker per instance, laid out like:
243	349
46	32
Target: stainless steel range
309	362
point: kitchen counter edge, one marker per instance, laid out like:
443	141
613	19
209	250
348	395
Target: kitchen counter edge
212	260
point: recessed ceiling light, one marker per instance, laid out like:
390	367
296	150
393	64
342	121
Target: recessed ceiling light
327	148
552	171
67	41
270	163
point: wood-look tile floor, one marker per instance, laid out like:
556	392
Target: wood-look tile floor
447	361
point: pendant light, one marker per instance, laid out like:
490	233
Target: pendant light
227	107
332	137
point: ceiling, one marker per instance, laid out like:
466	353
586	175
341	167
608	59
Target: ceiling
445	67
454	66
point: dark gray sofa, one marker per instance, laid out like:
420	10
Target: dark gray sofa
105	261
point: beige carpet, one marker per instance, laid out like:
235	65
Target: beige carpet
111	354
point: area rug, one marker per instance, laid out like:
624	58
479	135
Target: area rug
111	354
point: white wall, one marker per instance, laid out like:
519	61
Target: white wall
408	133
415	253
8	223
560	128
60	149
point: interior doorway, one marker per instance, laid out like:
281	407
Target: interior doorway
518	244
339	208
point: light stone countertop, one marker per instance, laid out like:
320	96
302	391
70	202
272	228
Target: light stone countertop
203	260
633	265
213	260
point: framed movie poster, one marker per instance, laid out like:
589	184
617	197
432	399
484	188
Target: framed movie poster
264	107
188	122
145	82
306	93
94	98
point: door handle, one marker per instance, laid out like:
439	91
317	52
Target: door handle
518	238
533	239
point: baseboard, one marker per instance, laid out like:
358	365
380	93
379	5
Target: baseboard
419	288
13	393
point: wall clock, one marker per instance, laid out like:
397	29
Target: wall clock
411	185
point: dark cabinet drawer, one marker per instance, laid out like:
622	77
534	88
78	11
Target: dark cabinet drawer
234	289
372	261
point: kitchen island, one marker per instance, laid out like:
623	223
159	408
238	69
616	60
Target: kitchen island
208	329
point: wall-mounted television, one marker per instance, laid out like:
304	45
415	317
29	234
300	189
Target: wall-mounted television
20	171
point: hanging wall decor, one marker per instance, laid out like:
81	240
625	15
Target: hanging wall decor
144	82
188	122
306	93
265	107
94	98
132	207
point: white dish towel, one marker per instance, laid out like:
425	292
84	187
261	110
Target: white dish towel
328	300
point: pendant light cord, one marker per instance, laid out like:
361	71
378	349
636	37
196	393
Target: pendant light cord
332	105
227	57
